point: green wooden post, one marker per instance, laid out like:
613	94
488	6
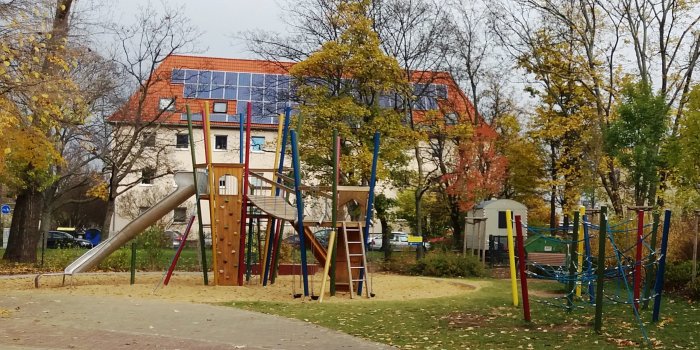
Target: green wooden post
133	263
334	211
651	268
600	269
573	258
202	248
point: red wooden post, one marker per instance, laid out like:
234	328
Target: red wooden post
638	258
183	239
521	265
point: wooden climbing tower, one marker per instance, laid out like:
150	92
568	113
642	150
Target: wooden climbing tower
225	200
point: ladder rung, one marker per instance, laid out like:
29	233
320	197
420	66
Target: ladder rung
355	242
355	254
360	280
357	267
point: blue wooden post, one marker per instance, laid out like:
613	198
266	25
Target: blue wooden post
300	210
659	286
370	201
273	223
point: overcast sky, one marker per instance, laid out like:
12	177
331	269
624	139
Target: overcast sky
219	20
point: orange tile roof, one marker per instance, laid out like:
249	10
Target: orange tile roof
163	88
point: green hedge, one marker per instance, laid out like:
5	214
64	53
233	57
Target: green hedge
446	264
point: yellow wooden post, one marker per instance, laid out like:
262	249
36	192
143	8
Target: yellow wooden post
511	257
326	269
581	237
213	188
270	230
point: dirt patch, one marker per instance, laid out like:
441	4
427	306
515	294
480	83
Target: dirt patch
189	287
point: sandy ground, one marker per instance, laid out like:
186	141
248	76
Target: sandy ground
188	287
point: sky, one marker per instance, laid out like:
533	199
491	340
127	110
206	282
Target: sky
220	20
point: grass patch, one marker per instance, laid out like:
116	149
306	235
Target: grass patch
485	319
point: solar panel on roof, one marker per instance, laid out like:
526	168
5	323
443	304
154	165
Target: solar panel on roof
191	76
230	92
218	78
240	107
243	79
177	76
243	93
204	77
217	92
231	78
190	90
258	80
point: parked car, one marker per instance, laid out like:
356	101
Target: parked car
172	239
375	242
321	236
59	239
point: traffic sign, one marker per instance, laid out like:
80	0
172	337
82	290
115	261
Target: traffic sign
5	209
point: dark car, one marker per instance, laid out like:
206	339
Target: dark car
321	237
59	239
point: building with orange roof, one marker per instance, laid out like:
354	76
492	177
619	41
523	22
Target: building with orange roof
228	85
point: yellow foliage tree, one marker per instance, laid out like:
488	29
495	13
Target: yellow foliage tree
340	86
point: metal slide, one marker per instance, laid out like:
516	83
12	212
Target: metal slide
185	190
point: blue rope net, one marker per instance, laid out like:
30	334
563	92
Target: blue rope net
618	271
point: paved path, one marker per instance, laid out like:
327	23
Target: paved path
44	321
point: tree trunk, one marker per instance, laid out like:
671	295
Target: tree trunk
455	220
386	238
107	223
45	226
24	229
419	221
553	189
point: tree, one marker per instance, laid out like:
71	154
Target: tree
121	135
688	145
414	32
36	88
634	138
340	86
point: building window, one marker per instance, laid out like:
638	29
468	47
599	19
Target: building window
220	141
149	139
502	219
220	107
147	175
257	143
180	215
182	141
166	104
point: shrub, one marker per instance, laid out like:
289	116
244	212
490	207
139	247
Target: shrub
693	289
120	260
151	241
444	264
677	275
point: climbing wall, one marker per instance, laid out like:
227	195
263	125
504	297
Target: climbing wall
226	201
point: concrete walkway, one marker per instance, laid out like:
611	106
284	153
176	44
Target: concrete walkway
45	321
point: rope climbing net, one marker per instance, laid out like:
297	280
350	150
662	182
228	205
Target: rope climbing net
628	269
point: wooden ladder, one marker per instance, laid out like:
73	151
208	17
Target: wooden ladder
355	255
